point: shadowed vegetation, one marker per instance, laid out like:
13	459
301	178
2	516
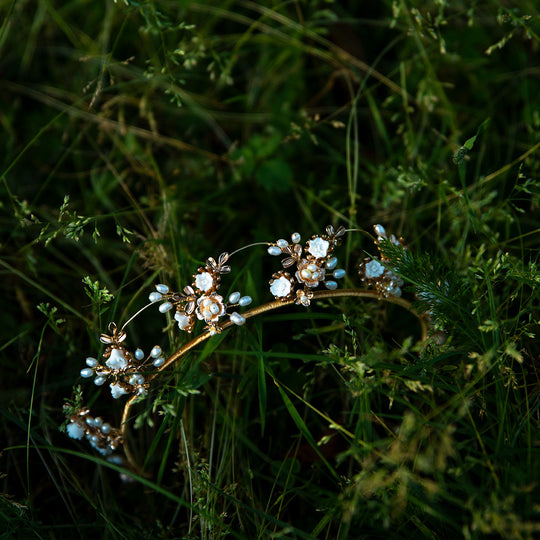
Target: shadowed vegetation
140	138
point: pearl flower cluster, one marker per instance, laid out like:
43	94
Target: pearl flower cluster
104	438
120	366
375	274
200	301
314	264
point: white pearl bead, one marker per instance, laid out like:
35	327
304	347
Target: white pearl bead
235	296
340	273
214	309
159	362
274	250
106	429
305	273
90	421
282	243
331	285
237	319
379	230
155	352
154	296
295	237
98	422
244	301
87	373
166	306
91	362
163	289
139	354
98	381
331	263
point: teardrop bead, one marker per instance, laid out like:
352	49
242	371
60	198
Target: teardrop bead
166	306
244	301
159	362
163	289
87	373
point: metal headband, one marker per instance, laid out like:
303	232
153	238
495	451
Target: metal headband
305	268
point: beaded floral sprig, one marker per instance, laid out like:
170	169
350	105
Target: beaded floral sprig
305	268
121	367
102	436
314	263
200	300
377	273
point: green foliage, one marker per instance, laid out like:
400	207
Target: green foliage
141	137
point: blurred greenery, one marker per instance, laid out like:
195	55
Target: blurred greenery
141	137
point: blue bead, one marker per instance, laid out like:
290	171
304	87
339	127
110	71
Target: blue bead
331	285
331	263
340	273
244	301
139	354
87	373
166	306
235	296
163	289
237	319
91	362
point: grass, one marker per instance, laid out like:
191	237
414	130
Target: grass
139	138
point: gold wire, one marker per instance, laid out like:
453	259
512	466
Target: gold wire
317	295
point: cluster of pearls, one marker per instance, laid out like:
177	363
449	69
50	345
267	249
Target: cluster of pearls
200	300
104	438
314	265
378	275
